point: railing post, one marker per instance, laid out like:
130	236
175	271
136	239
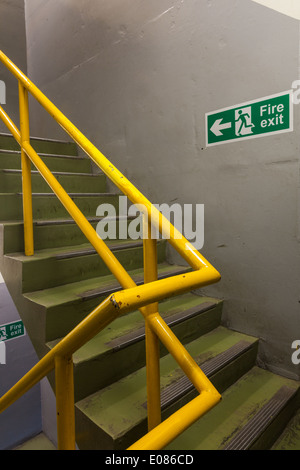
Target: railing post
26	172
65	411
152	341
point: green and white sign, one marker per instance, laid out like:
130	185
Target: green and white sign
259	118
11	331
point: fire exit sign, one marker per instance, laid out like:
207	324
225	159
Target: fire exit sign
11	331
262	117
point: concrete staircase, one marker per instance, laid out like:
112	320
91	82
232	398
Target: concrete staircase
65	279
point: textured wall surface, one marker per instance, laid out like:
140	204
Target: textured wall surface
13	44
137	77
22	419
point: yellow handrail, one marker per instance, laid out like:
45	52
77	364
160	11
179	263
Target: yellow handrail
119	303
145	297
183	246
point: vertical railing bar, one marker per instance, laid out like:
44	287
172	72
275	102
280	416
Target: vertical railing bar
26	172
152	341
65	411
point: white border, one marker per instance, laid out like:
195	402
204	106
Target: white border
19	336
266	134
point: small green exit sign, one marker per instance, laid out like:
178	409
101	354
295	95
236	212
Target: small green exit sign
11	331
266	116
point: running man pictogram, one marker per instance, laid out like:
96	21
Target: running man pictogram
246	123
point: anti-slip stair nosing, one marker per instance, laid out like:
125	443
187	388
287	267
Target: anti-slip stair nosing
71	194
267	415
91	251
54	155
43	139
182	386
57	173
138	335
247	436
116	287
41	223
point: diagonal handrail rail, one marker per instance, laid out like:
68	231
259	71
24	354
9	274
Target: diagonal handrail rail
104	252
112	307
144	297
183	246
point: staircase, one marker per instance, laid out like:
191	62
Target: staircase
65	280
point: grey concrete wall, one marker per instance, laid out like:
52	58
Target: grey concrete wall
13	44
48	411
36	410
23	419
137	77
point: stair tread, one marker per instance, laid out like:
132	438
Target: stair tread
47	205
62	173
11	181
70	194
41	222
77	250
57	160
290	438
239	404
41	144
56	155
257	424
121	406
35	137
111	337
119	349
39	442
90	287
69	251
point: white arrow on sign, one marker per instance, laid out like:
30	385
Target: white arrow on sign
217	127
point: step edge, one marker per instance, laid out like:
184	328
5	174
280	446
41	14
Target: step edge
135	336
247	347
72	251
210	368
104	194
246	437
44	139
168	317
79	298
51	155
55	173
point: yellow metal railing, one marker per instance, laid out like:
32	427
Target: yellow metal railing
145	297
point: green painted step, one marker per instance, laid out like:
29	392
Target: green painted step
39	442
116	416
47	206
55	162
66	306
49	233
60	266
290	438
239	405
8	142
11	181
120	348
